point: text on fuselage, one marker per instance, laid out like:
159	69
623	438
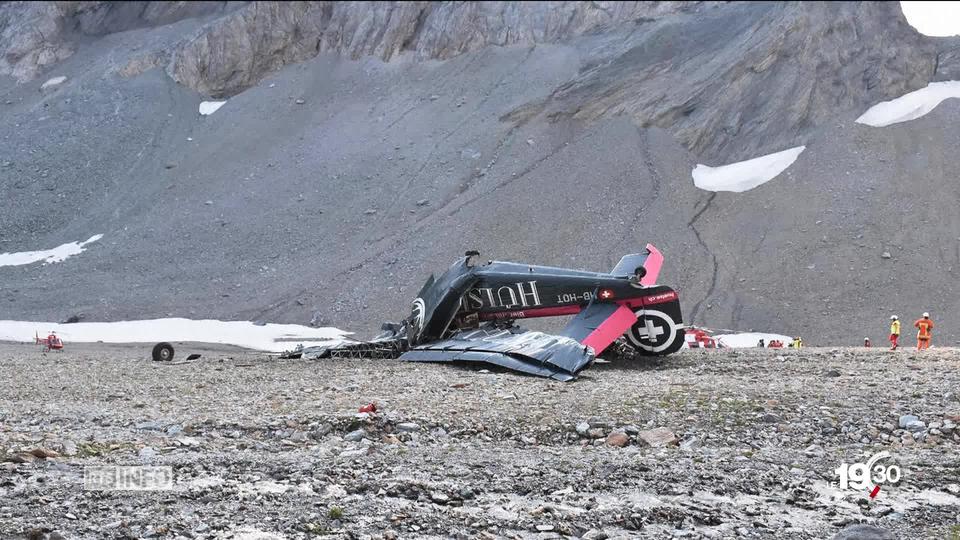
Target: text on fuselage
522	294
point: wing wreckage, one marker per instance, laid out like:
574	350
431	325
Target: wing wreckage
468	313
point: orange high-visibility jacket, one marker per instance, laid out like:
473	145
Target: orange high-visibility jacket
925	326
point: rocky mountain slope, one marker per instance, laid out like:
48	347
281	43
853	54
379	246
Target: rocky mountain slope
363	145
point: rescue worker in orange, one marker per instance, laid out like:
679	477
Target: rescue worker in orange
894	332
924	332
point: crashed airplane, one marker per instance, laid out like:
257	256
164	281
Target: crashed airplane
468	313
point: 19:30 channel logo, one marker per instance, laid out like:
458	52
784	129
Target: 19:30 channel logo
869	475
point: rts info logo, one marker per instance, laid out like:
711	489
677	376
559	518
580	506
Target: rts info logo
868	476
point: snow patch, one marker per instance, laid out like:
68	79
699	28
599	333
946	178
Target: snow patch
56	81
910	106
750	339
57	254
209	107
745	175
268	337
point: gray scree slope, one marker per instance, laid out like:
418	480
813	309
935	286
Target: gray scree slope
558	136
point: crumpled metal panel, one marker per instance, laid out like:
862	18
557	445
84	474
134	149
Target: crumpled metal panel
530	352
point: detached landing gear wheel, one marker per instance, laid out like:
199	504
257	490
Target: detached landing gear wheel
162	352
655	333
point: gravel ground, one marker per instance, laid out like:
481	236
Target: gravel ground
268	448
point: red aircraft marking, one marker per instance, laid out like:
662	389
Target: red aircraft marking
652	265
612	328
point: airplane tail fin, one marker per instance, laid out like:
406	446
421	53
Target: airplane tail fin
651	260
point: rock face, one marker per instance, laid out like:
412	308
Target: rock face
725	79
36	35
777	65
239	49
30	38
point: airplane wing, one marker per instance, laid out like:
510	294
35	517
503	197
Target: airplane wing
532	352
599	325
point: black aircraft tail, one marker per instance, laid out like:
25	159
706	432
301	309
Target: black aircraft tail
649	261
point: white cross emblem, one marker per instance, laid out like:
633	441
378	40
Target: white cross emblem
650	331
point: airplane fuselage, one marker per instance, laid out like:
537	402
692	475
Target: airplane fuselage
515	291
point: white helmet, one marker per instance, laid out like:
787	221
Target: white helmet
926	315
893	317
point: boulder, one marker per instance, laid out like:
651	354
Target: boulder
657	438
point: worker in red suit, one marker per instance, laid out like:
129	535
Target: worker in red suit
894	332
924	327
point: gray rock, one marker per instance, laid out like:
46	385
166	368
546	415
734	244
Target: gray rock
814	450
618	439
407	427
595	534
863	532
355	436
583	428
147	453
689	443
907	419
771	418
350	454
151	425
657	438
886	255
68	448
915	426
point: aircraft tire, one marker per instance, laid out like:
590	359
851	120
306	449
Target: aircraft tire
162	352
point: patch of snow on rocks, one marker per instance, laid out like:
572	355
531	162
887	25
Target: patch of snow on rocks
56	81
57	254
268	337
910	106
745	175
209	107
